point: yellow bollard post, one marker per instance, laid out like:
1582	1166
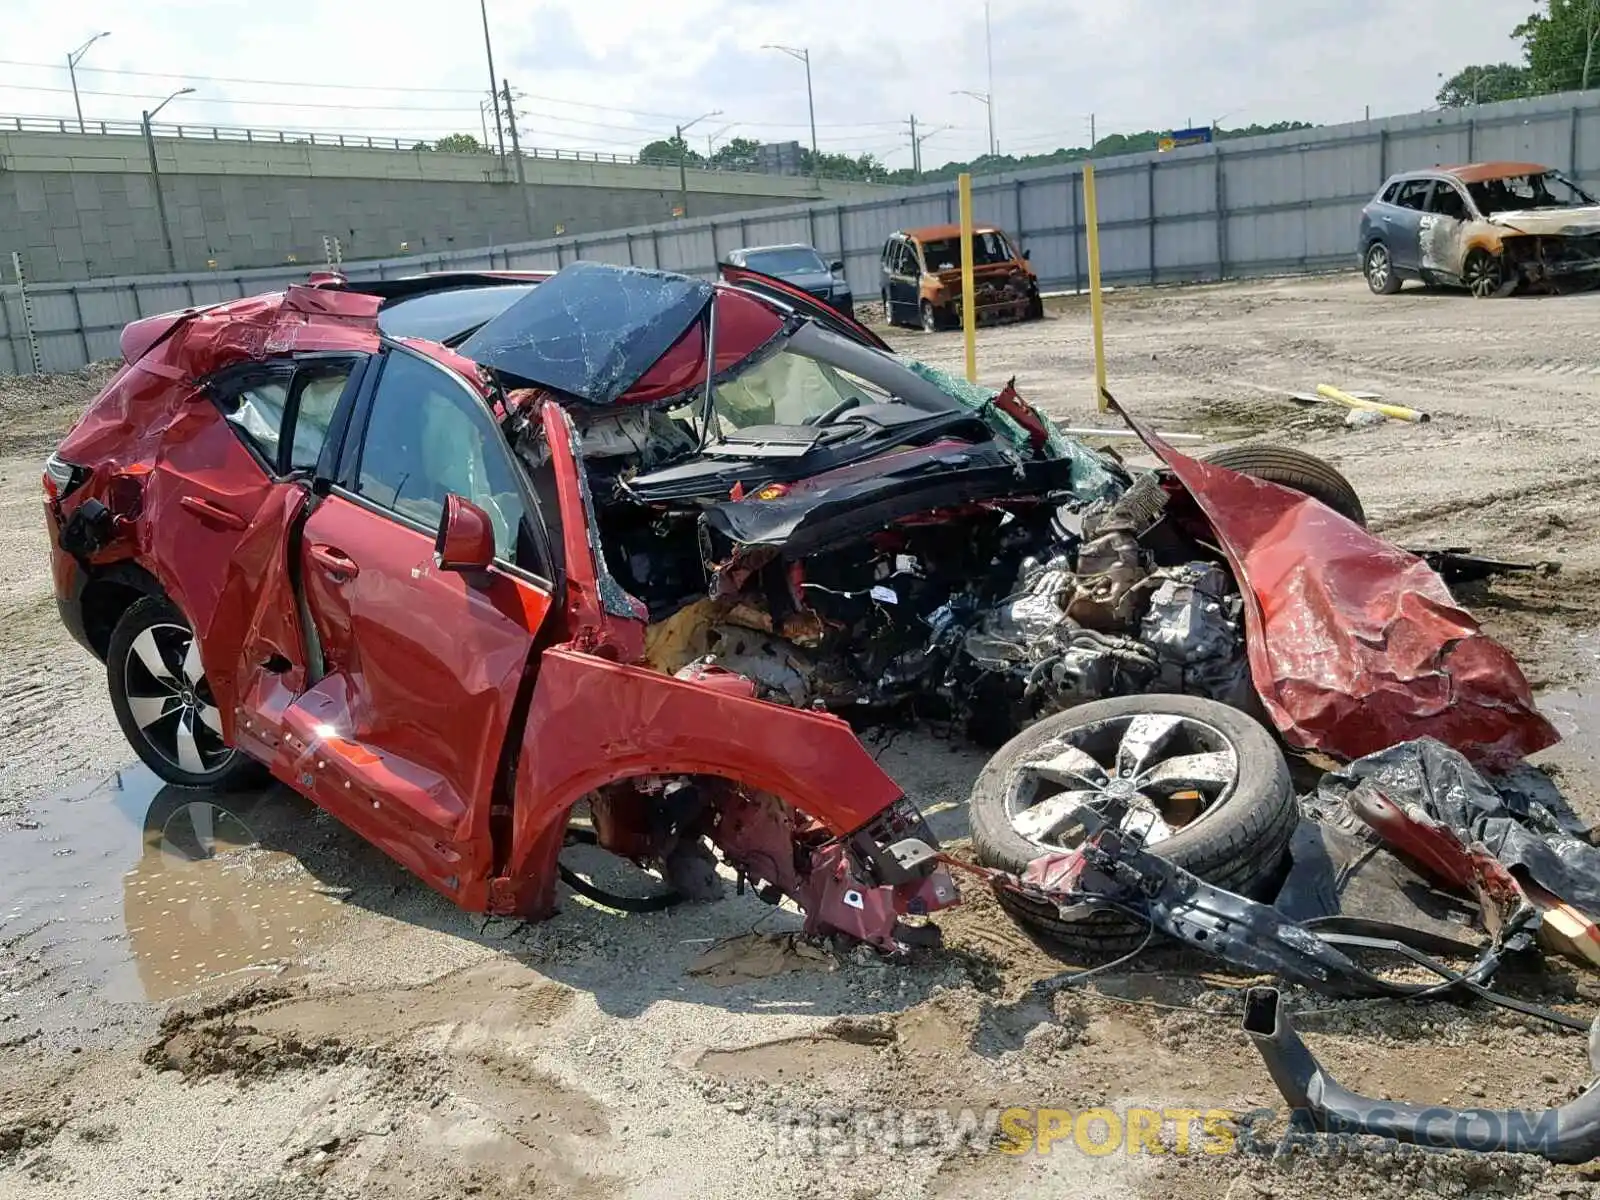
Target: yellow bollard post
1091	236
969	301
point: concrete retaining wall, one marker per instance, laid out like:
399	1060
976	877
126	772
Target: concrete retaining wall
84	206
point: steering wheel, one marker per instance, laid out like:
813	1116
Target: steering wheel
826	418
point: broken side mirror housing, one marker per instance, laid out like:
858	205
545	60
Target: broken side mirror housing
466	537
836	266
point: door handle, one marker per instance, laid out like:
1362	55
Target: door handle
213	513
339	565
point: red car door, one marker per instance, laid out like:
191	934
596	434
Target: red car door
417	671
224	490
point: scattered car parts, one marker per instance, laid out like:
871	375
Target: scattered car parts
1568	1134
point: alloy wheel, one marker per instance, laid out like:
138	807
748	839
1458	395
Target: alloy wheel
1483	275
1170	771
1378	268
170	701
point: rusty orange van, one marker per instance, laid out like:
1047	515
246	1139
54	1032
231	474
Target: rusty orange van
922	278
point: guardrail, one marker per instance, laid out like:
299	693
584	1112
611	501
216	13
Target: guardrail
340	140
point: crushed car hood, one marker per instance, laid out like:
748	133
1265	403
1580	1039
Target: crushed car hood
1561	222
834	508
591	330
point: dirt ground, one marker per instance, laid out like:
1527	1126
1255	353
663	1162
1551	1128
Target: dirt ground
293	1016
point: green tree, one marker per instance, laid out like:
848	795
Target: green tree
459	143
668	150
1485	85
739	154
863	167
1563	45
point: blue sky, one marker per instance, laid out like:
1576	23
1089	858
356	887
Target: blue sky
613	74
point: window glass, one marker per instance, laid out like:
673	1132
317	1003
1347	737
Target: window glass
786	260
256	409
1548	190
426	438
787	388
320	387
988	248
1413	192
1389	193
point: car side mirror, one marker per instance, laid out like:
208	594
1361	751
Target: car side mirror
836	265
1028	254
466	537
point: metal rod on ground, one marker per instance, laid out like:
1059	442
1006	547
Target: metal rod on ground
1091	233
1395	411
27	313
969	299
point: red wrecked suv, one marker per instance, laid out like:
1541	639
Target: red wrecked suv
306	530
451	555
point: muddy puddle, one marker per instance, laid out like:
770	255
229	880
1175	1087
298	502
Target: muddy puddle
129	890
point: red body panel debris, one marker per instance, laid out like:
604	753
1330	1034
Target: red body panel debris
1355	644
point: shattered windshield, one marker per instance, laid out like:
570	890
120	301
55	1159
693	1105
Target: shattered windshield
787	260
988	247
788	388
1519	193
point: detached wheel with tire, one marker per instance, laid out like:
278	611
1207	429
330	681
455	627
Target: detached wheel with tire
163	702
1209	783
1378	267
1295	469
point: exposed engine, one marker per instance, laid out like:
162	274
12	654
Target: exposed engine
990	614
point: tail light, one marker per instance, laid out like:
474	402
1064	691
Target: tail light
61	478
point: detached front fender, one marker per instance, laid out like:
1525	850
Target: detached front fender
593	722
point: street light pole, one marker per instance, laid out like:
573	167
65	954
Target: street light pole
988	53
494	87
155	174
72	62
803	55
683	157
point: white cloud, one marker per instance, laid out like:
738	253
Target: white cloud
1135	64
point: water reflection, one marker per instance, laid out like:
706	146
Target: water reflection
128	889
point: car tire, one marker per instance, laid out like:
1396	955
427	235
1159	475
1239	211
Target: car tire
888	313
1035	305
1297	470
1483	274
1379	269
930	317
1237	842
163	703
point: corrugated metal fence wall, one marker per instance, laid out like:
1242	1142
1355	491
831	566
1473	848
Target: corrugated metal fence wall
1279	204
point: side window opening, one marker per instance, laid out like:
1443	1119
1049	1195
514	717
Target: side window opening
426	438
283	409
1447	202
1389	193
317	388
255	406
1413	193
